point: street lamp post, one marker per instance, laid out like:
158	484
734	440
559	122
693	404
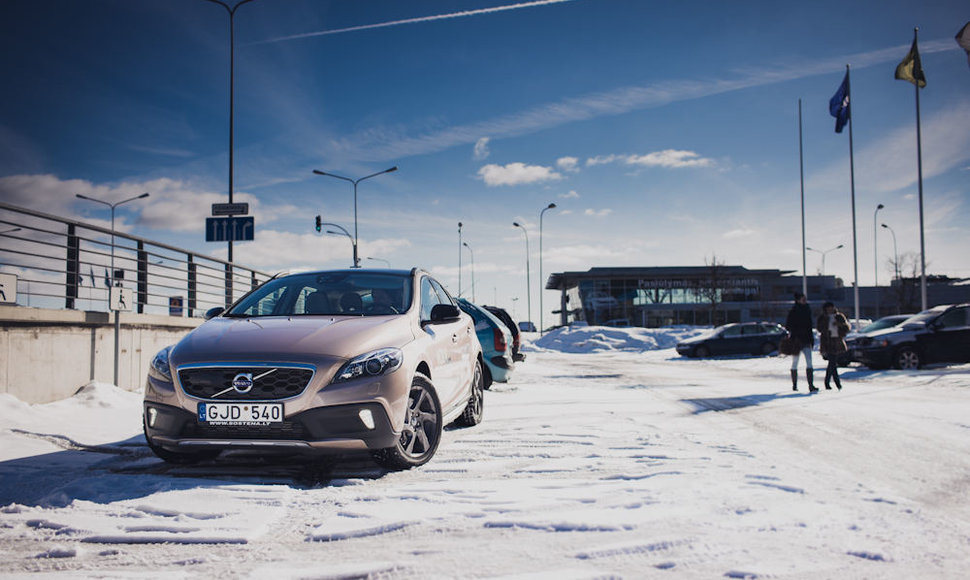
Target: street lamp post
823	252
355	182
875	255
232	84
542	312
895	251
459	259
528	280
473	268
112	279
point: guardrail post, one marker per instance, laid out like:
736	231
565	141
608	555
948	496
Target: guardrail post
73	267
142	277
193	285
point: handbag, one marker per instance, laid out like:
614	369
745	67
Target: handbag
787	346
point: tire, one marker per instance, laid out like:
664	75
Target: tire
422	429
768	348
906	359
702	352
176	457
488	378
472	415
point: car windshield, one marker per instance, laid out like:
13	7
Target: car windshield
886	322
329	294
926	315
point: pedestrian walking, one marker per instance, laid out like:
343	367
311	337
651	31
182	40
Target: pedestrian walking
832	327
799	325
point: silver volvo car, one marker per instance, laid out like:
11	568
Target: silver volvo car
320	362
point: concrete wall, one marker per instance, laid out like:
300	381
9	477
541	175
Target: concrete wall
47	355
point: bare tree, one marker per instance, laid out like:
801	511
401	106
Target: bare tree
710	289
906	286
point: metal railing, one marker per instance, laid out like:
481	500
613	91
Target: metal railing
63	263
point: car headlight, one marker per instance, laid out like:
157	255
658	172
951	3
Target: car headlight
372	364
160	368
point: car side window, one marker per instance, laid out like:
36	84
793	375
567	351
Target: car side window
429	298
954	318
731	332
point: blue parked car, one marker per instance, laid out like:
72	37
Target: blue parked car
496	342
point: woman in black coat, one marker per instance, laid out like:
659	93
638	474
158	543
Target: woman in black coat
799	325
832	328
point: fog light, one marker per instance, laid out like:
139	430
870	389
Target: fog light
152	416
367	418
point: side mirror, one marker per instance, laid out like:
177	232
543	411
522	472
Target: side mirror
444	313
213	312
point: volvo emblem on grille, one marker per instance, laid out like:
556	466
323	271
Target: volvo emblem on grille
243	382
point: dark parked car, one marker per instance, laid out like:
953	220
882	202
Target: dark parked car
506	319
320	362
940	334
740	338
852	340
495	339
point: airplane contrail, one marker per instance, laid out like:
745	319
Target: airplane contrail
461	14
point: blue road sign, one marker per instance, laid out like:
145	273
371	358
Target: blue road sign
229	229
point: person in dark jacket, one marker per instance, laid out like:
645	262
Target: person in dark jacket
832	327
799	325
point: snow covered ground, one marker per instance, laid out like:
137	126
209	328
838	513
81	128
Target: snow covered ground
608	455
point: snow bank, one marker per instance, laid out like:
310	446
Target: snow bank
590	339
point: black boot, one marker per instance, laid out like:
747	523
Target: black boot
838	383
794	380
828	378
811	384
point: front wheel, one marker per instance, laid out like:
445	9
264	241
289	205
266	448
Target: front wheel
422	429
906	359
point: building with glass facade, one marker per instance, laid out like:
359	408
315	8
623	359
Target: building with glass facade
714	295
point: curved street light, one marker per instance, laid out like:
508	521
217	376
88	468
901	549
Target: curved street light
473	268
528	281
824	252
875	255
895	251
387	263
541	282
355	182
113	281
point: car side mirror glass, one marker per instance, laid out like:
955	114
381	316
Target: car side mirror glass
213	312
444	313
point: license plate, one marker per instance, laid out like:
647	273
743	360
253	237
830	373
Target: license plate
240	413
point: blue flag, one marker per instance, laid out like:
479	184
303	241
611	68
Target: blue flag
839	104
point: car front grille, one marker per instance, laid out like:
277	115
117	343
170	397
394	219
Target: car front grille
268	382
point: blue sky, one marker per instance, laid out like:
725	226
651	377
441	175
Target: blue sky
665	132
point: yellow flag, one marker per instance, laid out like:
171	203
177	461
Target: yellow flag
911	69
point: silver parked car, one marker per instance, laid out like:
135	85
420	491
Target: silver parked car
320	362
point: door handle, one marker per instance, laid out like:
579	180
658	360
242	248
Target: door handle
454	338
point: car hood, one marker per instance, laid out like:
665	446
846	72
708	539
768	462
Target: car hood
697	339
303	338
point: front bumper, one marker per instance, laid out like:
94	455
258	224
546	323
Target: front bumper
323	429
873	357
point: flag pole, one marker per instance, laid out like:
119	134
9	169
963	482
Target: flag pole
801	174
855	242
919	165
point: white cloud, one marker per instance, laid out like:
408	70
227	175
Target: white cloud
516	174
568	164
481	149
597	212
739	233
670	158
571	195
